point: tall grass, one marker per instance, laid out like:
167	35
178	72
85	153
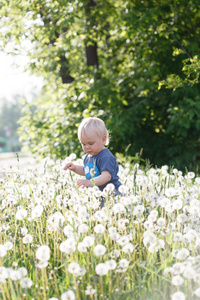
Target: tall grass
57	243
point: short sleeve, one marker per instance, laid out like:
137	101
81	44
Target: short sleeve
108	163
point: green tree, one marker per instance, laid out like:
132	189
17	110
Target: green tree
133	63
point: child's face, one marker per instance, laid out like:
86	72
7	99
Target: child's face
92	144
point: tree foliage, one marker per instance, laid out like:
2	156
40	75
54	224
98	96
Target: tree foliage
133	63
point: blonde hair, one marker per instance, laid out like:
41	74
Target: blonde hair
95	124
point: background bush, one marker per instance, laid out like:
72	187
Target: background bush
133	63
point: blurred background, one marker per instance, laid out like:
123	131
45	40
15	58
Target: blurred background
135	64
15	84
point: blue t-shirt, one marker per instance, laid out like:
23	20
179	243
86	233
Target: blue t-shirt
103	161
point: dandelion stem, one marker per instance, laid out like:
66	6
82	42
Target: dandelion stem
76	287
44	282
101	286
6	291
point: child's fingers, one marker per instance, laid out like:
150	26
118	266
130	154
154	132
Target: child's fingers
68	166
80	183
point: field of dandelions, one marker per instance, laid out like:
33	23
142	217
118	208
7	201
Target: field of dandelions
57	243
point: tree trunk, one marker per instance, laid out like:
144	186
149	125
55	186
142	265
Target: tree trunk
91	49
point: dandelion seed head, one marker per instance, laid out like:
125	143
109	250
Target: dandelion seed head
177	237
123	263
115	253
123	189
178	296
123	240
193	210
3	251
15	275
88	241
161	222
168	209
111	264
37	211
2	279
149	225
99	250
108	189
74	268
190	175
181	218
27	239
141	180
115	236
82	213
42	264
69	295
189	273
197	180
178	268
43	253
22	271
99	229
89	290
8	246
24	231
153	248
72	156
197	292
26	283
21	214
168	271
195	203
112	230
98	193
121	223
182	254
82	247
101	269
153	215
68	230
68	246
177	280
118	208
149	238
170	192
54	221
139	210
100	216
83	228
187	239
177	204
125	200
128	248
82	271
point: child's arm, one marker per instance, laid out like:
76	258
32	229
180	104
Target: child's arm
75	168
100	180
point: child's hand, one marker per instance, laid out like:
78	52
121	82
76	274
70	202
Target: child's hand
84	183
70	166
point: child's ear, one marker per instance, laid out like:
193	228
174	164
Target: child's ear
104	139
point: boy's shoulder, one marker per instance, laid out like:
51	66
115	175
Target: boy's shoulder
105	153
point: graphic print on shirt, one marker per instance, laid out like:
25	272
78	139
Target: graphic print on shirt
91	171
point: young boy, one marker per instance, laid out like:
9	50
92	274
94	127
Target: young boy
100	166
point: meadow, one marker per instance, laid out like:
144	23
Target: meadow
57	243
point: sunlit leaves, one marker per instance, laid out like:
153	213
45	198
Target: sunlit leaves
147	55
